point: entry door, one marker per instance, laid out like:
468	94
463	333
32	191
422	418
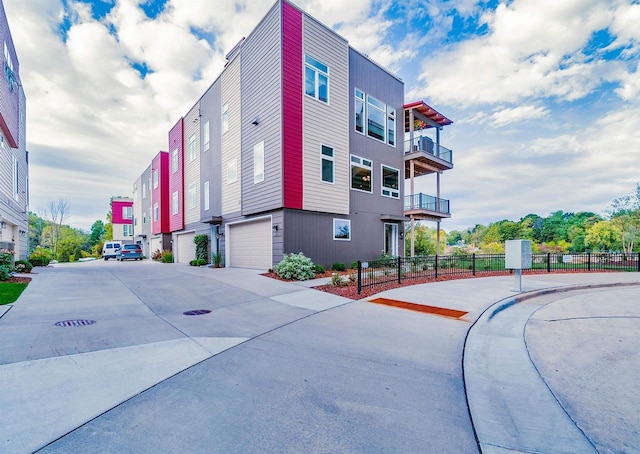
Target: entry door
391	239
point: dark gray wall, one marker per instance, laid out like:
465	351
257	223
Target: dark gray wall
210	167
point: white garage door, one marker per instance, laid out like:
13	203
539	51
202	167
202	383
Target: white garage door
186	248
250	244
156	245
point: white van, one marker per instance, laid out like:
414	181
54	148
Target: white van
110	248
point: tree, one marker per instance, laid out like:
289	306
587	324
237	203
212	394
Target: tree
97	234
55	214
625	214
603	236
424	242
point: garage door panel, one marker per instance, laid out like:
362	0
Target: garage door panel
186	247
156	245
250	245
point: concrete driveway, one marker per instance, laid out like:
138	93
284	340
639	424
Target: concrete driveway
273	367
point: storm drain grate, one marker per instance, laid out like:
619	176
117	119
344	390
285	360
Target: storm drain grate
197	312
75	323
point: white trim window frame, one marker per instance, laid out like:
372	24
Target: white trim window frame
327	164
156	211
391	126
232	171
376	119
360	181
316	79
205	196
192	196
206	134
16	175
175	201
155	178
174	161
258	162
127	230
359	111
192	148
224	117
341	229
127	212
387	186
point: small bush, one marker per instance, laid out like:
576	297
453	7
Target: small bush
5	272
354	265
156	255
201	262
338	266
41	256
22	266
217	260
6	257
337	280
193	262
167	257
295	266
318	269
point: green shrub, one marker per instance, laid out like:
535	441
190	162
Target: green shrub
6	257
337	280
5	272
318	269
167	257
40	256
295	266
193	262
201	242
22	266
338	266
217	260
354	265
201	262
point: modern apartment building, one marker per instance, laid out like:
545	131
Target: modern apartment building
298	146
14	161
122	219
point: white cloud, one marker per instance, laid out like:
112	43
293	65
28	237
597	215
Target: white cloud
517	114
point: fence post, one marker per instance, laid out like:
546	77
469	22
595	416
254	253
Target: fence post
638	262
548	262
588	261
473	264
359	277
436	266
399	268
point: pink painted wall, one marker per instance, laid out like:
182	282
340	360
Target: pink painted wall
161	193
116	212
176	180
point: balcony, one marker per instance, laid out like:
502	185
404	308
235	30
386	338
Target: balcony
427	156
426	207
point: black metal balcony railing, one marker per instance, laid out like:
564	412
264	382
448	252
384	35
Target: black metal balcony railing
426	145
426	202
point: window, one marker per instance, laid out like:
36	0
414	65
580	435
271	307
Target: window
390	182
144	191
205	135
174	203
156	212
8	69
205	194
359	104
127	212
375	118
15	178
149	184
155	178
258	162
144	218
327	164
232	171
316	79
192	195
342	229
174	161
391	126
361	174
225	117
192	148
127	230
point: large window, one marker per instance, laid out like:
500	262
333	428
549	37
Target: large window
327	164
127	230
342	229
258	162
225	117
8	69
127	212
192	195
232	171
192	148
174	203
316	79
205	195
205	135
390	182
374	118
174	161
361	174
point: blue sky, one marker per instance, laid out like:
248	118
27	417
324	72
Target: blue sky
544	95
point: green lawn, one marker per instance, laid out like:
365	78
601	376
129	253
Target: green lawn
10	291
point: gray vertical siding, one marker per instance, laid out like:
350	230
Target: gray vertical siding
261	76
210	160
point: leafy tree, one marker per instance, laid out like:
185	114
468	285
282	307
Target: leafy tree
603	236
97	234
424	242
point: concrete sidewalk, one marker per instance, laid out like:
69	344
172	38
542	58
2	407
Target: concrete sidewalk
275	366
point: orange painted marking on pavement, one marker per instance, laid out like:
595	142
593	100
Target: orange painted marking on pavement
444	312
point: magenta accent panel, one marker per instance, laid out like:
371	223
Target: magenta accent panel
292	106
116	212
176	180
161	193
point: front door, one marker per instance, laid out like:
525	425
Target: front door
391	239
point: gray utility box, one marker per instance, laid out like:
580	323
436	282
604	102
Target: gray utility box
517	254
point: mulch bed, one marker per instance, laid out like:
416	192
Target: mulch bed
18	280
351	291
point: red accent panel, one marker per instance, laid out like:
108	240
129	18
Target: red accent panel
292	106
161	193
176	180
116	212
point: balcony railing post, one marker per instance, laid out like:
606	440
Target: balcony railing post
359	277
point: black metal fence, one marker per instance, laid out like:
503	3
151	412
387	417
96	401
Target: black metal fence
398	269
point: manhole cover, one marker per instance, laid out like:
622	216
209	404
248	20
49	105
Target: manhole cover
197	312
75	323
